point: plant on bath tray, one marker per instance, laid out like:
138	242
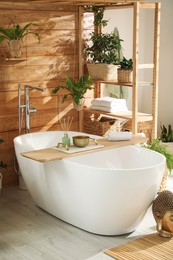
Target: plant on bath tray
14	35
77	89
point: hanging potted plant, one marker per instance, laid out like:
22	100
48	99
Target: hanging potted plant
125	71
76	89
104	51
14	35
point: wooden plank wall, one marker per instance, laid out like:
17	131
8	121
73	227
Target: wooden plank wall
44	65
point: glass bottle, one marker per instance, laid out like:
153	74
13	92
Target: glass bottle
66	140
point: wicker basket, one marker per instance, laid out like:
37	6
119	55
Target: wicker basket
124	76
142	127
102	71
101	126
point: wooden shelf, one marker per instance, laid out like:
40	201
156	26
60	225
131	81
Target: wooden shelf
142	117
15	59
130	84
133	115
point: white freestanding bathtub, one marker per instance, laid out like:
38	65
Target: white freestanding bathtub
105	192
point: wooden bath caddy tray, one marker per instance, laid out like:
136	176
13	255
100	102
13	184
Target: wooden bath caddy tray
50	154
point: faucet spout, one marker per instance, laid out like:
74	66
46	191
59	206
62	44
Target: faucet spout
35	87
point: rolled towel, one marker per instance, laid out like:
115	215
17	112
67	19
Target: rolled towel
119	136
108	102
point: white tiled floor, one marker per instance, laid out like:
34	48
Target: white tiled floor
147	226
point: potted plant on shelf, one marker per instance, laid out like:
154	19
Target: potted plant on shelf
125	70
2	165
103	50
14	35
76	89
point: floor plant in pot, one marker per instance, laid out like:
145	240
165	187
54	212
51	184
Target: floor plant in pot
158	146
2	165
76	89
103	51
14	35
167	136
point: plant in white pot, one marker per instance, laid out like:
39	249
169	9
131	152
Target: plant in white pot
76	89
14	35
125	70
103	50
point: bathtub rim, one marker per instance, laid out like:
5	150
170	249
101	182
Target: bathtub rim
70	159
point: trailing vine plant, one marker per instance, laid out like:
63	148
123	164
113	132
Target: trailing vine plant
98	15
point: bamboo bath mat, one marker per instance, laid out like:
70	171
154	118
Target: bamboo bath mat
149	247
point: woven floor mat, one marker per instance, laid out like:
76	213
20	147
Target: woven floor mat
149	247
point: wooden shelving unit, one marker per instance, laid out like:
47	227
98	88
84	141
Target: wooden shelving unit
135	115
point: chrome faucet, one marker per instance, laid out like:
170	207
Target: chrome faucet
27	106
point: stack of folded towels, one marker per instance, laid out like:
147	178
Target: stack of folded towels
109	104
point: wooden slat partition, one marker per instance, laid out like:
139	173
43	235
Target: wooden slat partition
43	65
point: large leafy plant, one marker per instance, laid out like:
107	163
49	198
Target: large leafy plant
2	164
157	146
15	32
105	48
76	88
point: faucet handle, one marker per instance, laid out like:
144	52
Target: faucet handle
32	109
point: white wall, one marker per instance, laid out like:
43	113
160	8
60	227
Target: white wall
122	19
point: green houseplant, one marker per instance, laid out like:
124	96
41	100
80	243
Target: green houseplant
103	50
76	89
157	146
166	134
125	70
14	35
103	55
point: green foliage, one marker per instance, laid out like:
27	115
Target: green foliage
161	148
77	89
105	48
15	32
98	14
126	64
2	164
166	134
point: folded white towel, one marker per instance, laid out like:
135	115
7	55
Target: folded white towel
112	109
119	136
108	101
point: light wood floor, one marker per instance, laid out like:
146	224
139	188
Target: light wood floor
27	232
